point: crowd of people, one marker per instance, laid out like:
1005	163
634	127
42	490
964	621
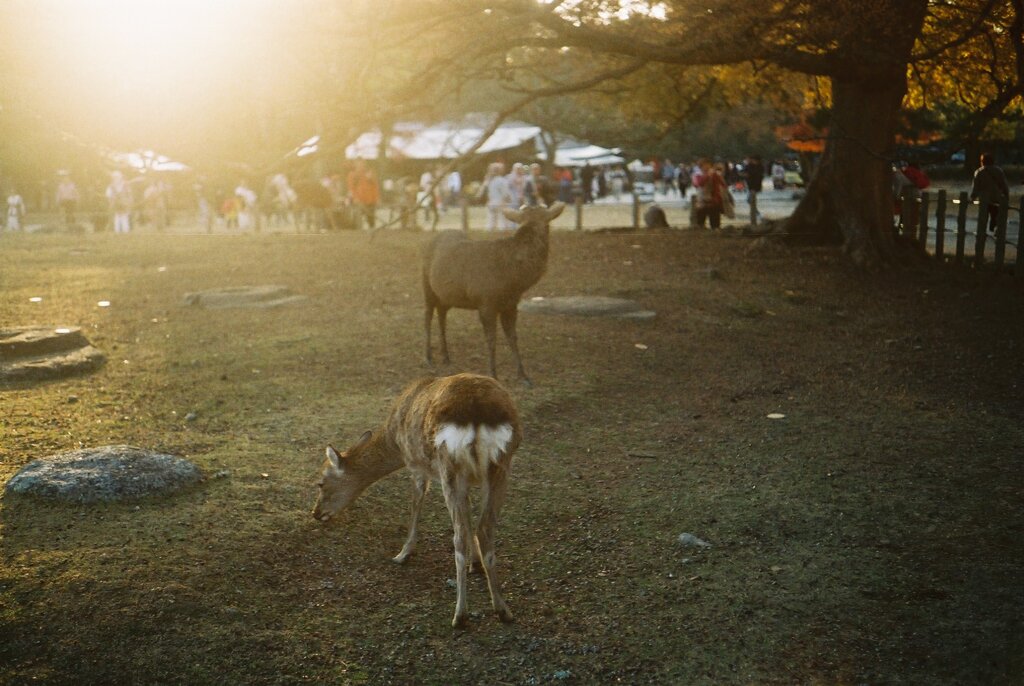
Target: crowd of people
353	199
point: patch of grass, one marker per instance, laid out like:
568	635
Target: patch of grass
869	536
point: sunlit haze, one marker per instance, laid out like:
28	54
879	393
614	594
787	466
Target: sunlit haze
141	67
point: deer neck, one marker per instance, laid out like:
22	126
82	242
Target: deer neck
532	252
379	457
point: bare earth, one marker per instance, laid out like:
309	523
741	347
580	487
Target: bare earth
870	535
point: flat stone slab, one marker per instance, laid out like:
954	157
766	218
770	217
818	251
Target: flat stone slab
40	353
105	474
243	296
587	306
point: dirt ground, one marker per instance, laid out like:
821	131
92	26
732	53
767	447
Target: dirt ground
871	535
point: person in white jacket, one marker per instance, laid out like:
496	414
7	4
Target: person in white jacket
499	196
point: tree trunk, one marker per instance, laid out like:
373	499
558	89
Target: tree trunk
850	200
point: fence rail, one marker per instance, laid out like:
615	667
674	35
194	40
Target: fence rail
919	222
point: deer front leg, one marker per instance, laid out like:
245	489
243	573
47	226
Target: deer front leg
428	317
492	498
508	325
489	319
420	485
456	496
442	322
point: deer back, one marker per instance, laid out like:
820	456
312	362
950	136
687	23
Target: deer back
465	422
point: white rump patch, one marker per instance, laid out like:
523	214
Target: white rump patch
492	442
489	442
454	437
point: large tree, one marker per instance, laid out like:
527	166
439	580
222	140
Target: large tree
861	50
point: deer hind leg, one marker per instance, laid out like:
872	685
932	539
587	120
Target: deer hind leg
420	485
508	325
456	496
442	323
492	498
489	319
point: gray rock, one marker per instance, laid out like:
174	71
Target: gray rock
243	296
36	341
104	474
39	353
587	306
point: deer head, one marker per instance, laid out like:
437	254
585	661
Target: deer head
341	481
538	214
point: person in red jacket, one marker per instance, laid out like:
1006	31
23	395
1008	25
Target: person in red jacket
363	191
710	202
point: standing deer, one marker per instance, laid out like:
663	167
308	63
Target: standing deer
487	276
461	430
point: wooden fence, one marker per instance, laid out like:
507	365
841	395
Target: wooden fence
926	219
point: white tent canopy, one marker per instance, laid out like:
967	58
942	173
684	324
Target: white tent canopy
579	155
147	160
441	141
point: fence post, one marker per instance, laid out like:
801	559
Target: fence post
464	207
1018	261
907	204
1001	221
636	211
961	227
940	225
579	212
922	234
980	234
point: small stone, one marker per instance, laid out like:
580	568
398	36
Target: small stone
693	541
562	674
191	417
72	399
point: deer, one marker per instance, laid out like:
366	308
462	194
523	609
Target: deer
487	276
460	430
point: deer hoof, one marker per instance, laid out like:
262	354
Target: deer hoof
459	622
505	615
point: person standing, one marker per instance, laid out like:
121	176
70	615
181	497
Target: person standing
453	189
711	190
586	182
15	210
778	176
499	196
427	197
517	186
247	209
754	173
67	198
119	197
668	177
364	191
990	189
537	191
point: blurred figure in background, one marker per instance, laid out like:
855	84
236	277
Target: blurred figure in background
990	188
15	210
754	176
121	202
67	198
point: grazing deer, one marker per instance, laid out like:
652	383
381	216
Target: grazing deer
487	276
461	430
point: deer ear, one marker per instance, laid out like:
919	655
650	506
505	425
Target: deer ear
513	215
555	210
333	457
363	440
